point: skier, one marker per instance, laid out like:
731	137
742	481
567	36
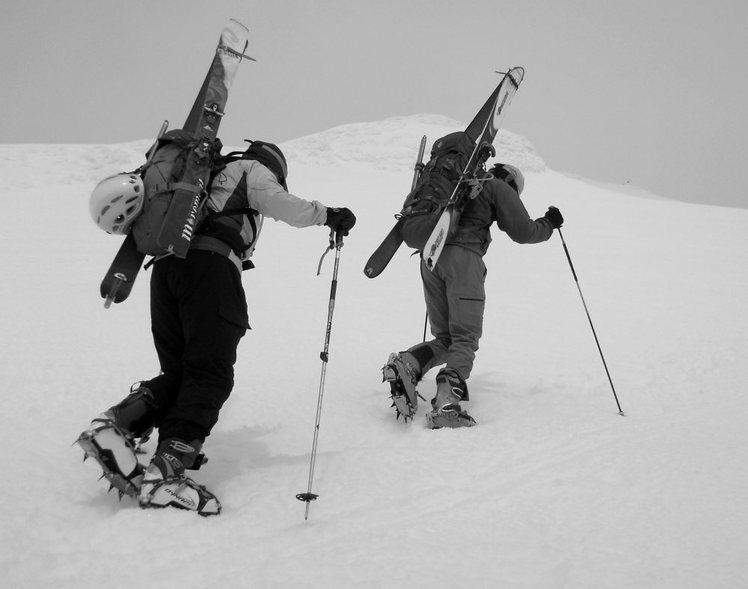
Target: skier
198	316
455	298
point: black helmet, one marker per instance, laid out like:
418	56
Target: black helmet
269	155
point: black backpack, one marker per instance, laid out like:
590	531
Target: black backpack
423	206
161	175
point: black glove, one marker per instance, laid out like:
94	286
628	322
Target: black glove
340	220
486	151
555	217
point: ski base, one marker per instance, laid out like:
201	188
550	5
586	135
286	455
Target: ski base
120	278
433	248
384	253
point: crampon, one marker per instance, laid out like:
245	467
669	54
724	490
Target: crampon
449	416
115	451
402	378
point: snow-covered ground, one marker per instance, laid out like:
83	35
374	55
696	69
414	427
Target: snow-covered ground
553	489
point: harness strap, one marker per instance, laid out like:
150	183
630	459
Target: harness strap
213	244
249	213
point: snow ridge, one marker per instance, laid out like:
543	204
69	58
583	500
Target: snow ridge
391	145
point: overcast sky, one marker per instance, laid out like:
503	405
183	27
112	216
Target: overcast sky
651	92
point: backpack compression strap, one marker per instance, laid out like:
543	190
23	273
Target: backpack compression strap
158	188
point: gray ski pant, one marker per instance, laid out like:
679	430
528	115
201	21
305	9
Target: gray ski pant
455	299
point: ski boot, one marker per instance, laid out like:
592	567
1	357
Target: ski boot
164	483
402	373
114	438
450	390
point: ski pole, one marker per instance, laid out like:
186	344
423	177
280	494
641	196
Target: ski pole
418	168
594	333
336	244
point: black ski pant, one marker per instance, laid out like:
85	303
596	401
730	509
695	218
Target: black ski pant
198	316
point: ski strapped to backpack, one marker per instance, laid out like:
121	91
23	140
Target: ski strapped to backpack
383	254
160	178
436	185
163	180
178	200
432	211
482	130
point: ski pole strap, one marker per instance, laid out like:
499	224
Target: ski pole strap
336	242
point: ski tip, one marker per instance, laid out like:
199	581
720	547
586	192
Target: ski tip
234	22
516	74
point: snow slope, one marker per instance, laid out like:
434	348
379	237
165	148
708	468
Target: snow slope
553	489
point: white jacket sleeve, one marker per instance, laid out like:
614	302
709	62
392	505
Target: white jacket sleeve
268	197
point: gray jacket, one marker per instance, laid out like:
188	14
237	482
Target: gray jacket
499	203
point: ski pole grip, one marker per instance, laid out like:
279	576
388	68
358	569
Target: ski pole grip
333	290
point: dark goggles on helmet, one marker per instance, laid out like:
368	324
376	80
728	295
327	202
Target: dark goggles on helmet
505	175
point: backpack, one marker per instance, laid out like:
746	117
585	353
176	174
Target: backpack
268	154
162	175
425	203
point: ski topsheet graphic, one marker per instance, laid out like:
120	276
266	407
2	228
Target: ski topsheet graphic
482	131
203	121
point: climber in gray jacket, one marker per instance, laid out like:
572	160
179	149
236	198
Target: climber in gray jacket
455	298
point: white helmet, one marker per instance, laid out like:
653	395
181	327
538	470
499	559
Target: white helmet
511	175
116	201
